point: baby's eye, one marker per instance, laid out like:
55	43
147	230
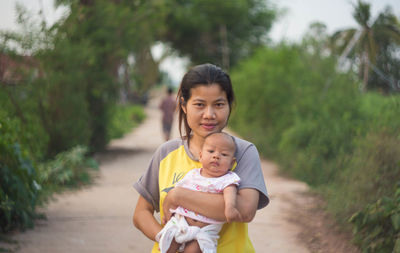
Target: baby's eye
210	151
224	154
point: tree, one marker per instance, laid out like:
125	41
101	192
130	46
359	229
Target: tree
78	59
315	40
101	34
366	43
221	32
386	74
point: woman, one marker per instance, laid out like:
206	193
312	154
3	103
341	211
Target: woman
205	100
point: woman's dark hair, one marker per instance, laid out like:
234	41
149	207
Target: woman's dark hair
204	74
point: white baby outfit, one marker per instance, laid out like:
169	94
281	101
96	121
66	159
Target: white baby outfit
178	228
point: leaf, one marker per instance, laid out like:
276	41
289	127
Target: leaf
396	248
396	221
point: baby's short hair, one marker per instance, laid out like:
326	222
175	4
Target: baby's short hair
228	136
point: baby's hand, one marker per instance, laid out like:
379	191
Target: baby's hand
232	214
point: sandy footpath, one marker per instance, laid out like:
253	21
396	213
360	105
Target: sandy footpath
98	218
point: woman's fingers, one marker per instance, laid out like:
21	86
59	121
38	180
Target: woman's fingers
169	203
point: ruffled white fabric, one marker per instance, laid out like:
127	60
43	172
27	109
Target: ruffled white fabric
178	228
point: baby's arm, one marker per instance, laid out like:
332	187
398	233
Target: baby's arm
231	211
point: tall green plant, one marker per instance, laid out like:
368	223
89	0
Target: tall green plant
299	111
377	226
18	187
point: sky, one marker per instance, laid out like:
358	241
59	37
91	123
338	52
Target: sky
335	14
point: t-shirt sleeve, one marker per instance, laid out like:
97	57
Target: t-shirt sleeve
229	179
249	170
147	185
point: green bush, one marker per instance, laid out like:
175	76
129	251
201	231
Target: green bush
23	185
381	112
124	118
368	174
17	104
65	115
19	190
297	110
69	168
377	226
264	92
316	124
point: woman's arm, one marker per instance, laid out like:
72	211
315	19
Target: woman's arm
247	202
144	220
210	204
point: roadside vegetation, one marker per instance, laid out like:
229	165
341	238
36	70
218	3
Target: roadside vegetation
59	104
28	180
325	126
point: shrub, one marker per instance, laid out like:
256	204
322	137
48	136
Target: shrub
16	104
69	168
300	112
368	174
18	187
377	226
297	110
123	119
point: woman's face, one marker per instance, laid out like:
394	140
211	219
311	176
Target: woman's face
207	110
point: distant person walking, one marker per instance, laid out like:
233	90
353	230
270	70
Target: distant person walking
168	107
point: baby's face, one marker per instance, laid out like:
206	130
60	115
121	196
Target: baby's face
217	155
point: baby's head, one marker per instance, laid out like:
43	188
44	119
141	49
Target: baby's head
217	154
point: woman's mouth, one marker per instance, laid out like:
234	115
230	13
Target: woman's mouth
208	127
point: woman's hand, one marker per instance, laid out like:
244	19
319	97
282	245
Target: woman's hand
169	203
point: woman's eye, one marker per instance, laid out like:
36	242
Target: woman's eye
220	104
199	104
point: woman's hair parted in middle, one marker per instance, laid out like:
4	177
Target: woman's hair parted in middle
204	74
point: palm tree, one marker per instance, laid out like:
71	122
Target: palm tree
363	44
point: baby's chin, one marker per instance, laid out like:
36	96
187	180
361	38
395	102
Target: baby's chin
216	172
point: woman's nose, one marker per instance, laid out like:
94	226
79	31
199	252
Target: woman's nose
209	112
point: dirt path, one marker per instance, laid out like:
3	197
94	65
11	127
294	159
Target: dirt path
98	218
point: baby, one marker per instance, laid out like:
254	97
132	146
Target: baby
188	230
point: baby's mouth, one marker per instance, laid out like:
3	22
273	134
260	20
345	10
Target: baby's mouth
215	164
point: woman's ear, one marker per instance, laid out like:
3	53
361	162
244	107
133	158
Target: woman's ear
183	104
233	162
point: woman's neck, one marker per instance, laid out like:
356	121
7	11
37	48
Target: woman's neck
195	145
